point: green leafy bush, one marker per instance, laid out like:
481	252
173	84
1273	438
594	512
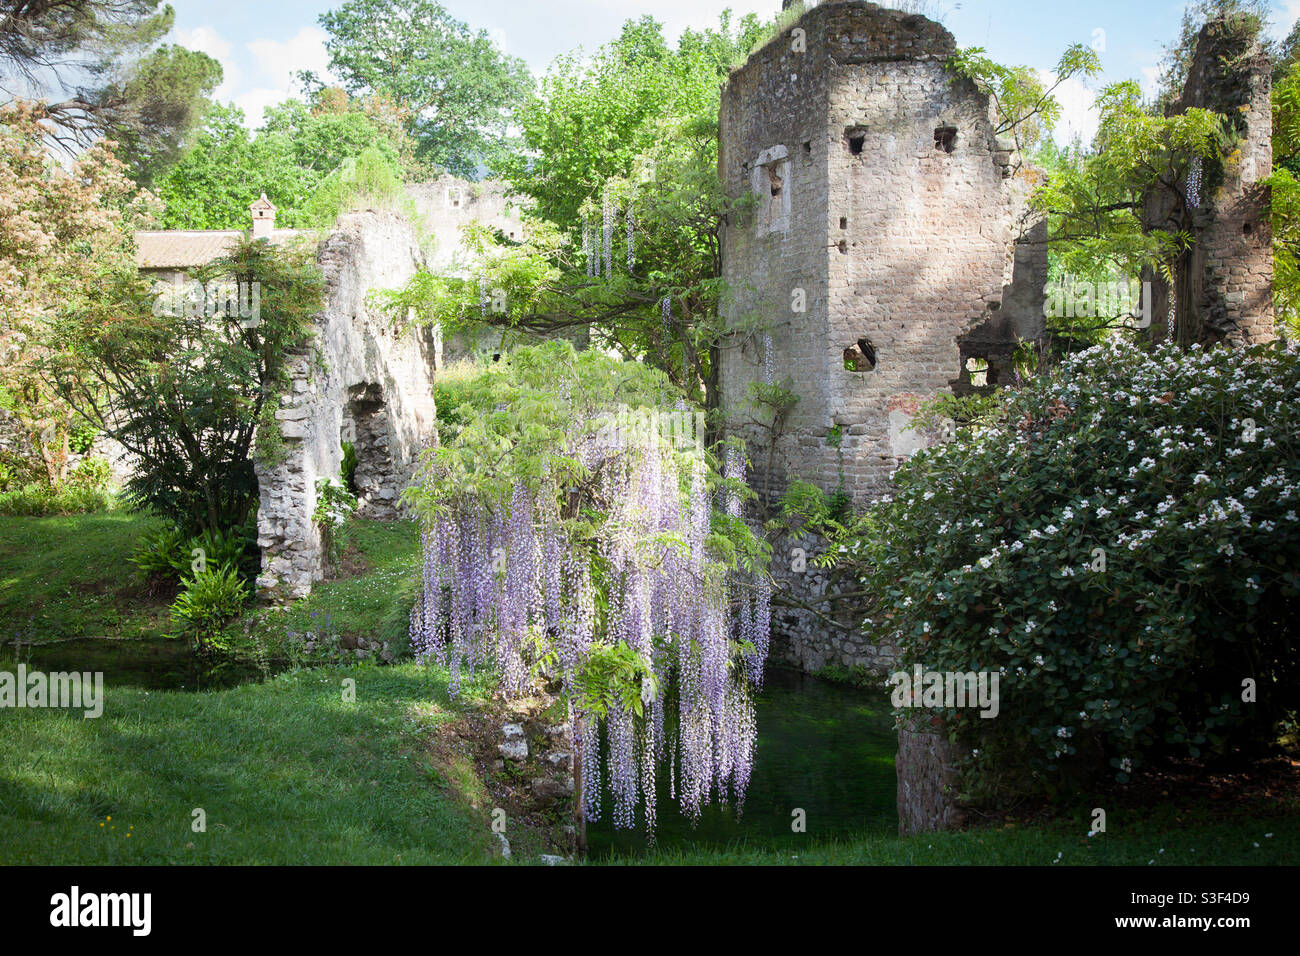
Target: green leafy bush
168	553
160	552
1121	546
82	437
235	548
348	469
93	473
40	500
334	505
207	601
222	374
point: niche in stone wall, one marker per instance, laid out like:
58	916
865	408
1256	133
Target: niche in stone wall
770	179
855	137
365	419
860	356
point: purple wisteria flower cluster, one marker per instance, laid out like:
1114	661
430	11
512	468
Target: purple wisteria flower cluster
561	576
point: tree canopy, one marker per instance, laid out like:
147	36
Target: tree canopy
97	68
297	158
619	174
460	90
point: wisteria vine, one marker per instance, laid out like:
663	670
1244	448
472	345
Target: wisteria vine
594	580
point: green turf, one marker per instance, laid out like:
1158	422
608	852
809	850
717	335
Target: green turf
288	771
285	772
68	576
373	603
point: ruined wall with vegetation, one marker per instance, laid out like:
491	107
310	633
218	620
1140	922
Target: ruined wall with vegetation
879	257
1223	285
362	380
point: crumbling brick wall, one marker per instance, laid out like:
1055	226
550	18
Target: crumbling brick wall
1223	285
887	208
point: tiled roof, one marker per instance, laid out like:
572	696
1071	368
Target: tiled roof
187	249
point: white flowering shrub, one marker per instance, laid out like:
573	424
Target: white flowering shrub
1121	545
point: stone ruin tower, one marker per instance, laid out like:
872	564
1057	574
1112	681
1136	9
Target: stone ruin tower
887	258
1223	285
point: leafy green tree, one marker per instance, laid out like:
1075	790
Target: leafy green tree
155	105
324	133
634	126
1095	202
63	239
1025	109
44	37
187	385
95	61
1284	189
303	158
212	185
460	89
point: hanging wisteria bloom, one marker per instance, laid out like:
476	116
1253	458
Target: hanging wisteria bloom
1194	183
599	571
607	231
631	222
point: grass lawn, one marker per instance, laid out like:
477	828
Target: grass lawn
289	771
63	577
70	577
1156	837
371	597
286	772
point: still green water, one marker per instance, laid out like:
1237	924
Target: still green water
151	663
825	748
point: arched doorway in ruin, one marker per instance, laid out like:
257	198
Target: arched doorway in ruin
365	425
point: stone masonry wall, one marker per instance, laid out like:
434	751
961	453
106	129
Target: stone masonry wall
447	203
360	379
888	210
16	445
1223	287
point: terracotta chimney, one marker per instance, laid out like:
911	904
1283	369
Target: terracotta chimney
263	211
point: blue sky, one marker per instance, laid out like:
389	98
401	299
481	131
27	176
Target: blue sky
261	44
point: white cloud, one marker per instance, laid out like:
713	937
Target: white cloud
209	41
277	66
278	62
254	103
1284	18
1079	115
205	40
1150	81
